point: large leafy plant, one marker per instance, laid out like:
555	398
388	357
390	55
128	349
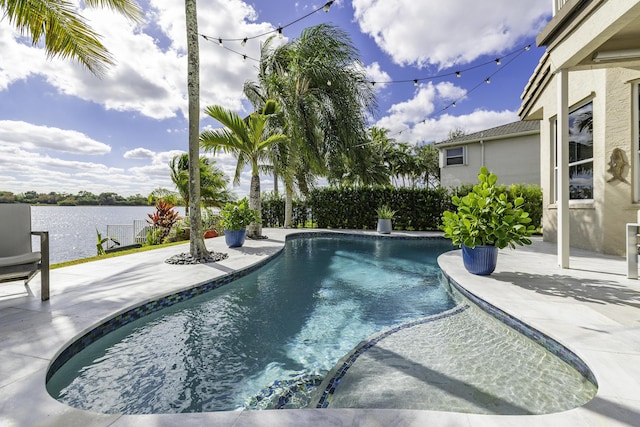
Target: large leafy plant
485	216
237	216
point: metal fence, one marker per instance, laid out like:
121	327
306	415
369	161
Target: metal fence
127	234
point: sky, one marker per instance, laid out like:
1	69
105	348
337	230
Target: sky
63	129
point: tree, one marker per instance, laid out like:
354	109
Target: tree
428	163
324	96
248	140
457	133
197	248
213	182
66	33
165	195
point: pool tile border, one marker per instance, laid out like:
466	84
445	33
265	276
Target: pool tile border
535	335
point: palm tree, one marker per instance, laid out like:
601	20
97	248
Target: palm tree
197	249
322	90
248	140
66	33
213	182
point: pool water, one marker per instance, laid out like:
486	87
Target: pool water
280	328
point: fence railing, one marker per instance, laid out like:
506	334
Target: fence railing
127	234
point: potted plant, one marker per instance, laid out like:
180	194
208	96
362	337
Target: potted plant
486	221
235	219
211	223
385	215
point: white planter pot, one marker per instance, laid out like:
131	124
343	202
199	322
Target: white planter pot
384	226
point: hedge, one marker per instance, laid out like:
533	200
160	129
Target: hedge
355	208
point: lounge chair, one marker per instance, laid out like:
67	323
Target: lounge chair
17	260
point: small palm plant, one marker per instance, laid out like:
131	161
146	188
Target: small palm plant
101	241
385	212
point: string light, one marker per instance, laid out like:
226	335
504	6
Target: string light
243	40
280	33
220	42
459	72
485	81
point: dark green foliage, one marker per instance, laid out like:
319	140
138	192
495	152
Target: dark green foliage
273	211
355	208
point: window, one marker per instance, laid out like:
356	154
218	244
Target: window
455	156
580	153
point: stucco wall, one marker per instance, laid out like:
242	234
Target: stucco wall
597	225
514	160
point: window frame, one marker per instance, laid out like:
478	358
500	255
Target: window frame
462	156
574	163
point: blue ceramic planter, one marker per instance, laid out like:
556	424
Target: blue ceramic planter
235	238
480	260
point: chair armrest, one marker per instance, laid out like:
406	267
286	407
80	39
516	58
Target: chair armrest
44	245
44	262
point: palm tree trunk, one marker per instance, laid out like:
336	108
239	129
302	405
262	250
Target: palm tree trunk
196	239
288	206
254	230
275	183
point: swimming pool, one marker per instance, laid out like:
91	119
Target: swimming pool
277	332
290	321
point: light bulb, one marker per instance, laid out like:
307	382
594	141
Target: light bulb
488	80
527	47
220	42
244	42
327	6
454	103
244	58
328	82
280	32
415	82
498	62
458	74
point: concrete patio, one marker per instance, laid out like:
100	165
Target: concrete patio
592	308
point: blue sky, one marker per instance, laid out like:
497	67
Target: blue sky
63	129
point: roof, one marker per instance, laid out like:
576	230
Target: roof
520	128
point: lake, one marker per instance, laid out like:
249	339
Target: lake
72	229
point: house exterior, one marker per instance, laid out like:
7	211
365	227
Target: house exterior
511	151
585	93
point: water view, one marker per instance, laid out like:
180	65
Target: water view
72	229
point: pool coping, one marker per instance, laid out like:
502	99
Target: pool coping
25	354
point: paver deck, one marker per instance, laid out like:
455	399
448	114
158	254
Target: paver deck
592	308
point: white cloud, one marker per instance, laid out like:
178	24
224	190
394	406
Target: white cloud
417	108
151	66
437	129
450	32
408	121
139	153
33	137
